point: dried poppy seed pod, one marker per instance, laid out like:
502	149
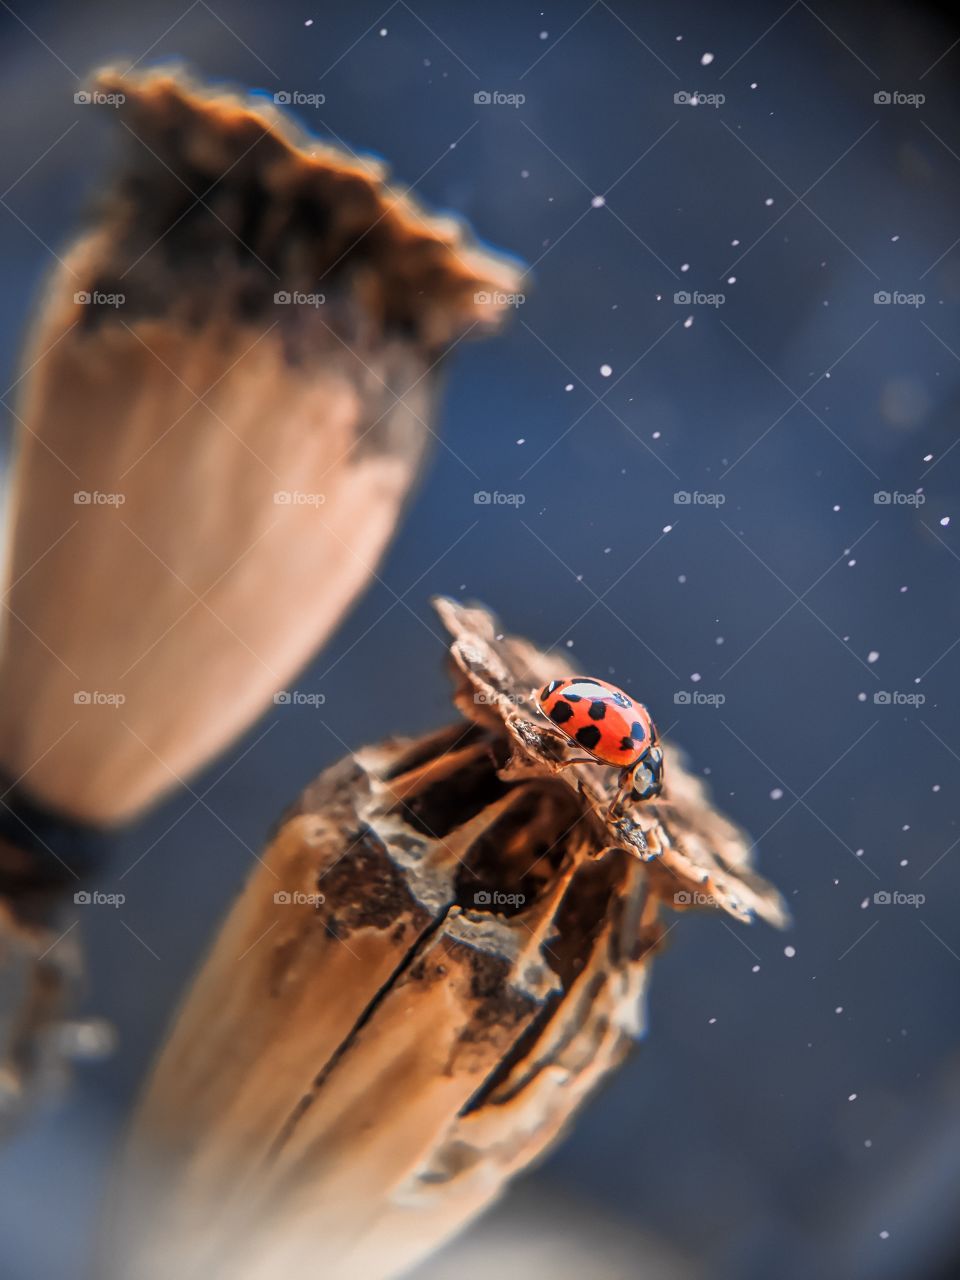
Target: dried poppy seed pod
445	948
227	398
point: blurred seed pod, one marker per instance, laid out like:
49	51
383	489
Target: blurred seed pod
445	949
225	401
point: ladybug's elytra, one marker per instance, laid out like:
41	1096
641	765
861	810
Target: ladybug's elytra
614	729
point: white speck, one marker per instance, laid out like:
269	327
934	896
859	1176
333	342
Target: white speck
679	37
383	31
852	1098
851	564
904	862
522	440
868	1142
607	550
684	266
696	677
884	1235
858	853
753	85
769	201
524	173
706	59
755	969
731	279
928	457
605	371
569	644
903	589
544	35
789	952
308	23
776	793
873	655
718	640
864	904
711	1021
667	528
894	239
861	697
836	506
945	521
568	387
655	436
734	243
838	1009
598	202
688	323
935	787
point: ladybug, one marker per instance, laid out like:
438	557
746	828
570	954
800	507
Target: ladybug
613	728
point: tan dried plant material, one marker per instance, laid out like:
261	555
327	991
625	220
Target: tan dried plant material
226	399
445	949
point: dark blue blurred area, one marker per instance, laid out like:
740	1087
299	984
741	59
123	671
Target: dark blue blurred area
798	1095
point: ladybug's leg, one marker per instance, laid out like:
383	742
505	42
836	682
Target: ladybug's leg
625	781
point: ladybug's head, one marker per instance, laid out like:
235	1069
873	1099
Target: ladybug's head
646	776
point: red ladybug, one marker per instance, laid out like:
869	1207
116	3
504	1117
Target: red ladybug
614	729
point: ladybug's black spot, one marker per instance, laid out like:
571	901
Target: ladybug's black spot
561	713
571	697
588	736
636	731
598	710
626	744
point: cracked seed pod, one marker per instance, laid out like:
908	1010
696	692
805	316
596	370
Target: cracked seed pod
445	949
